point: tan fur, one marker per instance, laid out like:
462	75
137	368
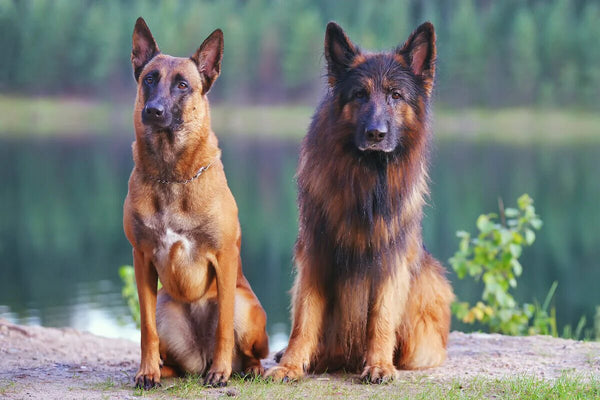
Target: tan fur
308	308
187	332
207	319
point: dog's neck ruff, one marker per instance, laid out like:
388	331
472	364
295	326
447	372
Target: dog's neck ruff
184	182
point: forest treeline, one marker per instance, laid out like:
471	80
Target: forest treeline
491	53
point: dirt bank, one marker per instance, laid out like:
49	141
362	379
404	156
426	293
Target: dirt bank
37	362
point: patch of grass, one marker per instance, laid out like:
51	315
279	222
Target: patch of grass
47	116
349	387
7	387
565	387
108	384
592	358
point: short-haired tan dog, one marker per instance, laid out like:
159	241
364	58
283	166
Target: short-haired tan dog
182	222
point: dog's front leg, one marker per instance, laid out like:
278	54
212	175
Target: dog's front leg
226	267
308	309
385	313
146	279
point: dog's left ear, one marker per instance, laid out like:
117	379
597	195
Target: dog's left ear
144	47
208	59
419	51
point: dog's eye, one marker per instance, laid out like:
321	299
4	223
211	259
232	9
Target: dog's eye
149	80
360	94
396	95
182	85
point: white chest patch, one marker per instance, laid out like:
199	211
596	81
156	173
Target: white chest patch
166	242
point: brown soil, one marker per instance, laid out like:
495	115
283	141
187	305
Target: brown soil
49	363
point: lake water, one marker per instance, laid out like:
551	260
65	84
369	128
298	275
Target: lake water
61	237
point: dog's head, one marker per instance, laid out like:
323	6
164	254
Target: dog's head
171	90
381	97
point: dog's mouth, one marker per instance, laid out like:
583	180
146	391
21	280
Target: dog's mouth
373	147
155	123
366	144
392	143
381	147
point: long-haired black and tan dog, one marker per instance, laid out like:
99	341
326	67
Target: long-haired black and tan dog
367	296
182	222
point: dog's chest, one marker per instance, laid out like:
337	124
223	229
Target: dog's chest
171	228
166	228
180	247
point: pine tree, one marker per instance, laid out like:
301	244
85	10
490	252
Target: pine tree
524	59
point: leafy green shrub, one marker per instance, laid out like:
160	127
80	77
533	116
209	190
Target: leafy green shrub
129	292
493	256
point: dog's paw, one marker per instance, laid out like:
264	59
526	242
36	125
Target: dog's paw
254	370
217	377
379	374
285	373
147	377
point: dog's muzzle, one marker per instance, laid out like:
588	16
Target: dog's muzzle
155	113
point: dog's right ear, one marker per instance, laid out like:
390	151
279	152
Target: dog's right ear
144	47
339	52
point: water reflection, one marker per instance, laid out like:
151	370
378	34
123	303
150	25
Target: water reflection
61	239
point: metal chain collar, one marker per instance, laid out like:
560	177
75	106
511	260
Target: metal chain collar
185	182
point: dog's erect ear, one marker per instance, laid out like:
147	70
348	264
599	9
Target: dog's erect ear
339	52
144	47
419	52
208	58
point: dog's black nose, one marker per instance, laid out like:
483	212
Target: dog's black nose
156	113
154	110
376	132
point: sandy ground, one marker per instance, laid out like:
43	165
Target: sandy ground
48	363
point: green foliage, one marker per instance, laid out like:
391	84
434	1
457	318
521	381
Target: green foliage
466	45
493	257
577	334
543	323
589	32
490	53
525	64
304	45
129	292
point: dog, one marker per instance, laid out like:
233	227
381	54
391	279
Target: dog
367	297
182	222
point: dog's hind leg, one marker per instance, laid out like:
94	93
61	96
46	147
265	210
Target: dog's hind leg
423	334
252	342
